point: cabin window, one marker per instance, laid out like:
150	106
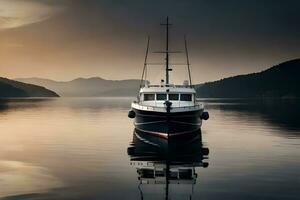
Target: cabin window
174	97
149	97
161	97
185	97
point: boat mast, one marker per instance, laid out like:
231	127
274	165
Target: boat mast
187	60
145	64
167	50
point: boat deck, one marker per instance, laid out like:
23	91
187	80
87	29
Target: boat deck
139	106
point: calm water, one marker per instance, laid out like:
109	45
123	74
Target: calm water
76	148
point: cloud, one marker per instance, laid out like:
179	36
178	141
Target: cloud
17	13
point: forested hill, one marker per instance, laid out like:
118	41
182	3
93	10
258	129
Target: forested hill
282	80
11	88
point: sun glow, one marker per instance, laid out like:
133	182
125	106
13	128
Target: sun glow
16	13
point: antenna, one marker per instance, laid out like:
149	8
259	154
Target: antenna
187	60
145	63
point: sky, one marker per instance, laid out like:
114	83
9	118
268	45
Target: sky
66	39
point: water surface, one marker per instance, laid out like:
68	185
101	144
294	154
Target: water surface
76	148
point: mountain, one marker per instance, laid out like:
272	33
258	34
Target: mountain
282	80
84	87
11	88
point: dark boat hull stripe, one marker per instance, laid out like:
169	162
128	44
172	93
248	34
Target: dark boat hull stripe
165	135
142	123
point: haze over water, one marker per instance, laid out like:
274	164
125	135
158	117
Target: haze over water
76	148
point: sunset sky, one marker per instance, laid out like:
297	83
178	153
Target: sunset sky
66	39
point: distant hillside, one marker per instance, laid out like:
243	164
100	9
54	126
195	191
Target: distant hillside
282	80
11	88
84	87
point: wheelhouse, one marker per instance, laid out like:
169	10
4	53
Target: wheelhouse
157	96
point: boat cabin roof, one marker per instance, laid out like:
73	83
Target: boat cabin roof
167	88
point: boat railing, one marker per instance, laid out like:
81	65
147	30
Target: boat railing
154	108
170	85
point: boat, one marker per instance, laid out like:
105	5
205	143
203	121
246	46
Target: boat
167	110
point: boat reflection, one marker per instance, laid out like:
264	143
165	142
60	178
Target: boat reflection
167	169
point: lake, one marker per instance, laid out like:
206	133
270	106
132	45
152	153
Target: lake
77	148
